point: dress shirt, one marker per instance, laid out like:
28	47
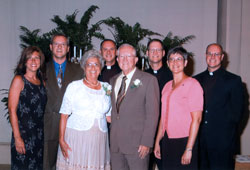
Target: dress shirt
119	81
57	67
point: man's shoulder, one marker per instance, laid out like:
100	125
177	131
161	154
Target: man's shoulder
197	76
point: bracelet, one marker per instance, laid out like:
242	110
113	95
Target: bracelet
188	149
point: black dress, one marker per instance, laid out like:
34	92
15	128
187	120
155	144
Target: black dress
30	112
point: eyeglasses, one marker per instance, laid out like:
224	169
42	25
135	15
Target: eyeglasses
213	54
108	49
59	44
179	59
92	64
158	50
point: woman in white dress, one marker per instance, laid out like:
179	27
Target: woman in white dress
85	110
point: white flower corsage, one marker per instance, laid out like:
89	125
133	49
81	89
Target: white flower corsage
136	83
107	88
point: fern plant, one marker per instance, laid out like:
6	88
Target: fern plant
124	33
5	101
171	41
80	33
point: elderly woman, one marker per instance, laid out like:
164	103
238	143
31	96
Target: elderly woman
182	104
86	106
26	103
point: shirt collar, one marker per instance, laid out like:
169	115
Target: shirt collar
56	65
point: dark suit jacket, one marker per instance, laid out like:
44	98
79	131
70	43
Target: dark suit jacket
55	95
222	113
138	115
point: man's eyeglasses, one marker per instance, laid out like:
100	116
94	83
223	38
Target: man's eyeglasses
158	50
213	54
59	44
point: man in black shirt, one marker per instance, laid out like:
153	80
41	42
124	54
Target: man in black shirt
111	68
155	53
223	100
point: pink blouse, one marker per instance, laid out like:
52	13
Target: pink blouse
177	106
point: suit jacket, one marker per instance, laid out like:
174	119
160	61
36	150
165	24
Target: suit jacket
222	112
138	115
55	95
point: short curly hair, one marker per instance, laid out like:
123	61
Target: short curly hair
91	54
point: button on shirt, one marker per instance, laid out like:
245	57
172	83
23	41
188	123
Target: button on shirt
177	105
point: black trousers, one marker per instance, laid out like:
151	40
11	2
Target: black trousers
215	158
172	151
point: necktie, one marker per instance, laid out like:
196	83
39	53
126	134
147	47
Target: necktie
121	93
59	77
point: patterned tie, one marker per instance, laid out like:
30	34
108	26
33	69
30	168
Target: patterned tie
59	77
121	93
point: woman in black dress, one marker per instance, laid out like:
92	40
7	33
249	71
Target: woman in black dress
27	100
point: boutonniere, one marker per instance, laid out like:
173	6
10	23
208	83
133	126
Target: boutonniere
136	83
107	88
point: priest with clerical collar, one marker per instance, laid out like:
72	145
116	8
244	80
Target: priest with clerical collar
111	68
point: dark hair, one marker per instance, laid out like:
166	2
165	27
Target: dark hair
155	40
178	50
58	35
218	45
26	54
107	40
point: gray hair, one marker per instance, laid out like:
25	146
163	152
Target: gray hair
91	54
126	45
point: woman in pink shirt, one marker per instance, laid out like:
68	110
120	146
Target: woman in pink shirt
182	105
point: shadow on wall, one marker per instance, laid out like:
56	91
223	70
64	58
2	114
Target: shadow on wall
245	118
245	111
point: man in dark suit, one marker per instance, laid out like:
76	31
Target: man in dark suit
221	114
59	74
155	53
111	68
135	110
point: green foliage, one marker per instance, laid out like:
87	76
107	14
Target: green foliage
80	33
124	33
32	38
5	101
171	41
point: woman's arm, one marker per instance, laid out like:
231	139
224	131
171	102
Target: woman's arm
62	126
16	87
194	128
108	118
157	148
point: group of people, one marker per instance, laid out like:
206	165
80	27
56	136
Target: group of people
60	111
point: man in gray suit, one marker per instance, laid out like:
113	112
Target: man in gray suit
135	111
59	74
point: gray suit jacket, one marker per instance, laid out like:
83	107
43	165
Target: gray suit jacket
55	95
138	115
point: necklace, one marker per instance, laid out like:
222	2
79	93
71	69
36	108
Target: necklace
97	84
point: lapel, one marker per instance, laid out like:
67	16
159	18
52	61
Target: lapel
113	99
51	78
67	76
131	91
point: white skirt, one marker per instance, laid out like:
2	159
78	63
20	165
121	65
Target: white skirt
90	150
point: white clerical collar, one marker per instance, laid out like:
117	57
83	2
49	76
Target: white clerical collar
211	73
155	71
109	67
